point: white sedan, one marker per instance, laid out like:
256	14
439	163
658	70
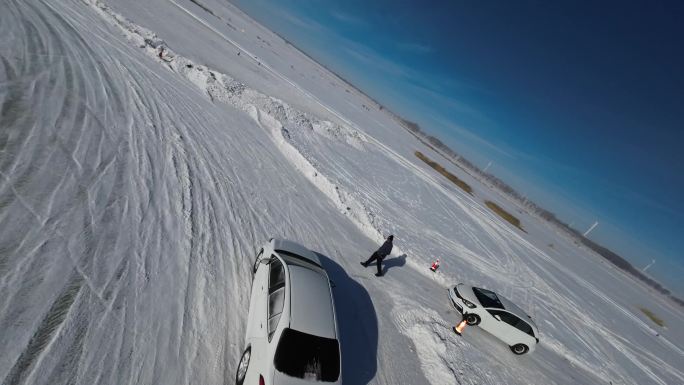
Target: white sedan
291	335
496	315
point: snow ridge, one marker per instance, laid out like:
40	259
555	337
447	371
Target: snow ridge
272	114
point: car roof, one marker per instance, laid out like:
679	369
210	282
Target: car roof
280	245
311	306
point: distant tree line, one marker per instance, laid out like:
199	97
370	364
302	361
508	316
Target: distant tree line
459	161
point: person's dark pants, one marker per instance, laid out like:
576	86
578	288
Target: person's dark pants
375	257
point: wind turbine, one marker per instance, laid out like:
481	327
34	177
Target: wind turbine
591	228
647	266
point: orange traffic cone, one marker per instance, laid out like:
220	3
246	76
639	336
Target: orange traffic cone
435	265
458	329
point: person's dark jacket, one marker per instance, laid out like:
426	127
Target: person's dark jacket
385	249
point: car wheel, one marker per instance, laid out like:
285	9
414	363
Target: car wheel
519	349
472	319
242	366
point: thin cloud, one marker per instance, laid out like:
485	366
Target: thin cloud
301	21
371	58
447	102
349	18
416	48
469	135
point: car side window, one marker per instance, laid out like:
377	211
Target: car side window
524	327
505	316
276	276
257	259
276	294
514	321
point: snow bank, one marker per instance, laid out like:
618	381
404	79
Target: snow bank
489	251
271	113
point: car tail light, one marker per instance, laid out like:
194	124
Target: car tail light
261	380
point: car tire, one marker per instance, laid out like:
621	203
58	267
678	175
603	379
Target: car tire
472	319
243	365
519	349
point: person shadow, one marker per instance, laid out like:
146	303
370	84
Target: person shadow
357	323
393	262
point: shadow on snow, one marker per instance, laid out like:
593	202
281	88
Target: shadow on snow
357	324
393	262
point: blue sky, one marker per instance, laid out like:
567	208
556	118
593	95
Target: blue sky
579	105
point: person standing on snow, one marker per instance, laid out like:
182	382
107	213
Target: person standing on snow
380	254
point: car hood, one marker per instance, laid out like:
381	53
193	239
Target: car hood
282	379
466	292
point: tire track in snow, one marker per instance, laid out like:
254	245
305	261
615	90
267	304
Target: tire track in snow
45	332
104	155
150	250
223	88
271	114
498	231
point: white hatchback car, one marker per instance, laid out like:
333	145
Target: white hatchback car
496	315
291	335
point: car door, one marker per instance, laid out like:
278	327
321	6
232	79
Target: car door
257	304
256	321
523	327
492	325
506	330
276	296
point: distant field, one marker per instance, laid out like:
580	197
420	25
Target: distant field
453	178
510	218
652	316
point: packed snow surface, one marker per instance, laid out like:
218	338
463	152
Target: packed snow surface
148	148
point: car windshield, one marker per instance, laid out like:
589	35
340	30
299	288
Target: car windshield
487	298
307	356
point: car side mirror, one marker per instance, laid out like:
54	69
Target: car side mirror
498	317
265	261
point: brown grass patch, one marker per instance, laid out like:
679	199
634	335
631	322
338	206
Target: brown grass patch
508	217
653	317
453	178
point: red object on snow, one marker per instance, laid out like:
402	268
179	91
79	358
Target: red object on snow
458	329
435	265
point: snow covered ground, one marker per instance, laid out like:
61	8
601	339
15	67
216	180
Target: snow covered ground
142	162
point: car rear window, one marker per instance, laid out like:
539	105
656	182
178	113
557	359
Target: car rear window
524	327
307	356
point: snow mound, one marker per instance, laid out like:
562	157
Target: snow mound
271	113
444	358
484	250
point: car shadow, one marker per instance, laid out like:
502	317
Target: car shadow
393	262
357	323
